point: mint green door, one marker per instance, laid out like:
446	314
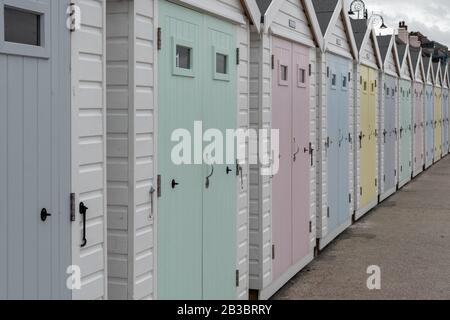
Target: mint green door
196	223
219	199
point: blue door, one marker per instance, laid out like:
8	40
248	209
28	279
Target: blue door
389	137
338	142
331	143
344	140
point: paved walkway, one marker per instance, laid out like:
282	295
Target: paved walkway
407	236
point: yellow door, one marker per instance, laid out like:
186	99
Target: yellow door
437	124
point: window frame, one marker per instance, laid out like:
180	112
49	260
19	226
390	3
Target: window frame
300	69
344	78
181	72
333	73
281	82
221	76
11	48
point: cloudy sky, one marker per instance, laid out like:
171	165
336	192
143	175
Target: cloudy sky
431	17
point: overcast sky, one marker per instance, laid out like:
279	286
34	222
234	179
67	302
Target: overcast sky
431	17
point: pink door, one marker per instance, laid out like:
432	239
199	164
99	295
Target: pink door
282	182
290	115
302	158
418	127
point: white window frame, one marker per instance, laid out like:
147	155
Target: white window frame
40	8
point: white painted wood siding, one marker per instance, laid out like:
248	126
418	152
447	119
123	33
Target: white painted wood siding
338	41
89	147
292	11
260	186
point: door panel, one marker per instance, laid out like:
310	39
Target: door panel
444	121
302	163
219	199
437	124
343	143
35	167
364	145
333	104
180	219
429	124
418	125
389	134
405	130
282	182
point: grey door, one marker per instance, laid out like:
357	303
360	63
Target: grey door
35	150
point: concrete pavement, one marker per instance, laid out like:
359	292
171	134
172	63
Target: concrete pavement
407	236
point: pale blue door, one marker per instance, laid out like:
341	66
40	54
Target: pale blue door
331	143
429	131
344	140
35	150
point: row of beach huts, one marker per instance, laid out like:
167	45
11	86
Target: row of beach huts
92	204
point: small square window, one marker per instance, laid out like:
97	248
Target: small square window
221	63
344	82
365	86
183	58
22	27
302	76
333	80
283	73
387	92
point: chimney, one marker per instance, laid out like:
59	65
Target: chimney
403	33
414	41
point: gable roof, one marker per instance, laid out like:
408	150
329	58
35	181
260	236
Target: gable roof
427	63
253	12
360	27
384	43
263	5
437	72
401	49
270	8
328	12
415	54
324	11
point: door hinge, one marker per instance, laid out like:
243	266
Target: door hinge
310	227
328	212
237	278
310	70
361	191
328	72
238	56
349	198
158	186
384	178
273	62
349	76
273	252
376	182
72	207
159	39
73	12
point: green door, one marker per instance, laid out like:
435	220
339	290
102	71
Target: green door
196	220
219	199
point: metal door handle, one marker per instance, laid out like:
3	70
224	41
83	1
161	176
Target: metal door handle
209	176
295	154
44	215
83	211
228	170
152	194
174	184
311	153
